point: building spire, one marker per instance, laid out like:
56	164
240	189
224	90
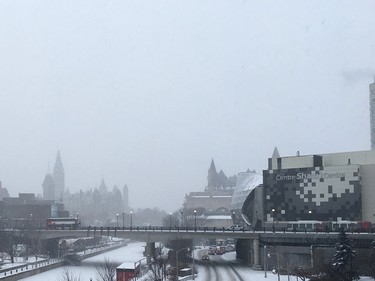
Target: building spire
59	178
212	166
58	163
275	153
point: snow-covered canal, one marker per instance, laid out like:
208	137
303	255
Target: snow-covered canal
222	268
86	271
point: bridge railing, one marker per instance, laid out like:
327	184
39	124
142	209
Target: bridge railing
107	230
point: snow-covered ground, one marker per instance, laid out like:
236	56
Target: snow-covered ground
86	271
134	252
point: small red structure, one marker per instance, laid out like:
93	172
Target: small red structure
127	270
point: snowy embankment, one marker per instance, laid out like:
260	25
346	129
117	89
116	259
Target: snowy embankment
36	265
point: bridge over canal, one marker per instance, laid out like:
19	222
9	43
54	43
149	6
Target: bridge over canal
256	239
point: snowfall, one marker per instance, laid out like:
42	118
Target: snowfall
133	252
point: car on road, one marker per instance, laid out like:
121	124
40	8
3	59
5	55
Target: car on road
205	258
212	251
235	228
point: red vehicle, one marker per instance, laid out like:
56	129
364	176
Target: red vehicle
63	223
363	226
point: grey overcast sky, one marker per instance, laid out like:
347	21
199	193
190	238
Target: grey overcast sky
145	93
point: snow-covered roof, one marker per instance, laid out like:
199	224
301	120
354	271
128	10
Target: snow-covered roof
127	265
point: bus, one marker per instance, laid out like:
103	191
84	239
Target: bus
63	223
303	226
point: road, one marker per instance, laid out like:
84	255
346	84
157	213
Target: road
219	270
220	267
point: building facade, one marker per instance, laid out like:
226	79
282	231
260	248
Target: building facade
372	114
211	206
327	187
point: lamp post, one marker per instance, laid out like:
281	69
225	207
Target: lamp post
182	219
273	220
123	220
177	251
117	220
193	263
265	260
170	221
195	220
278	263
131	220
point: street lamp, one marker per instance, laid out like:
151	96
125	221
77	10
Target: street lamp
195	220
278	263
170	221
182	219
193	263
131	220
265	260
177	251
273	220
117	219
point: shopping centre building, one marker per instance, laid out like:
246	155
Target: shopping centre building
324	187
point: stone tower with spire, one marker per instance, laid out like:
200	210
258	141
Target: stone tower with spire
48	188
218	181
211	177
125	197
59	178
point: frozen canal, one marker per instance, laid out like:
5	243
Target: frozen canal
86	271
133	252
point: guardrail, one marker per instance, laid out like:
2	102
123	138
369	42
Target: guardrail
27	267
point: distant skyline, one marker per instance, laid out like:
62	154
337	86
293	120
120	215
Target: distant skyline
147	93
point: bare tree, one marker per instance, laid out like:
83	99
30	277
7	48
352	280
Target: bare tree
8	244
107	270
157	269
68	275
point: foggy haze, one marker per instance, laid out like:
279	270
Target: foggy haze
146	93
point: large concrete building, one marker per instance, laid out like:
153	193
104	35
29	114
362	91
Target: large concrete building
372	114
211	206
323	187
330	187
15	211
